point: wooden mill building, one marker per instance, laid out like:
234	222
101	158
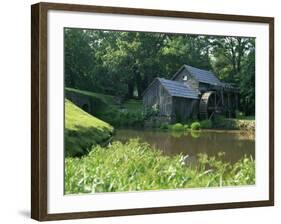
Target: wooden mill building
192	93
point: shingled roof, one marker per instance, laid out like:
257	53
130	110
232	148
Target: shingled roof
201	75
178	89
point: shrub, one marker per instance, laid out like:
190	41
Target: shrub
164	126
206	124
186	127
123	119
151	112
170	127
224	123
218	118
178	127
239	114
195	126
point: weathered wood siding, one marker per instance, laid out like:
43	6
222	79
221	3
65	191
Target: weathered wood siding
184	108
151	95
190	80
156	95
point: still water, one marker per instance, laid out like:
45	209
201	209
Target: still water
235	144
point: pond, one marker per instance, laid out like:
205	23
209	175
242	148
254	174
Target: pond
235	144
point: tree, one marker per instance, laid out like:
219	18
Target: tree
234	61
228	55
247	83
78	58
125	63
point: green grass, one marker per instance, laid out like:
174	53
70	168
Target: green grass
135	166
83	130
130	105
107	108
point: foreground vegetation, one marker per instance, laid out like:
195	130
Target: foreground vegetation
83	130
137	166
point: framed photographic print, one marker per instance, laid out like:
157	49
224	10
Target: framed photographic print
139	111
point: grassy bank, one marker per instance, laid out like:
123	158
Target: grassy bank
137	166
83	130
109	109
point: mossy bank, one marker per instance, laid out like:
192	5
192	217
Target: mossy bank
82	130
117	111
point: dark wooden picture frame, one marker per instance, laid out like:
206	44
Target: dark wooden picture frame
39	106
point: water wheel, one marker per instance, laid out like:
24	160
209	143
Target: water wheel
207	105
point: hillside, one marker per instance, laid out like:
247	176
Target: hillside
83	130
119	114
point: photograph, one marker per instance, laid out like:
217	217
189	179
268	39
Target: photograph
136	111
150	111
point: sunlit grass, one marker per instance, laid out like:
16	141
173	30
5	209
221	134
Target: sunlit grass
136	166
83	130
130	105
111	110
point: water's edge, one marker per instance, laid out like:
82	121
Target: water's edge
234	143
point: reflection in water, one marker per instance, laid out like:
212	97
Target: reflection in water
234	144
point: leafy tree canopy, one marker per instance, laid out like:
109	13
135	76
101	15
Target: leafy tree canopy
125	63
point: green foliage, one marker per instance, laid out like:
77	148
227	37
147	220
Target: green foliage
241	173
82	130
126	114
244	170
245	123
151	112
78	58
178	127
123	118
239	114
247	83
195	126
125	63
226	123
186	127
206	124
234	61
136	166
164	126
